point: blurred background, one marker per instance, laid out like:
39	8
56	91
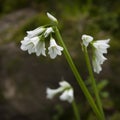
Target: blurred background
24	78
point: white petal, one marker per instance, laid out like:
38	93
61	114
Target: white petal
64	84
52	53
31	49
35	40
40	48
86	39
52	42
25	41
35	32
67	95
52	92
54	49
23	47
48	31
51	17
96	67
100	49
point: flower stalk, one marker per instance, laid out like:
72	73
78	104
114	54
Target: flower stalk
98	101
75	109
77	75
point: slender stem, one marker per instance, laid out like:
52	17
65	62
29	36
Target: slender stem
93	81
75	109
77	75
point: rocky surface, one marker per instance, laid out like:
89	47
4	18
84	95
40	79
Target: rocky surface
13	21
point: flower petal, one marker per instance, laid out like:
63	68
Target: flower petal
48	31
67	95
54	49
86	39
52	18
35	32
52	92
100	49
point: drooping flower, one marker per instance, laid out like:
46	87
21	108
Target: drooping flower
54	49
100	48
86	40
67	96
35	32
40	48
29	44
66	90
33	45
52	18
48	31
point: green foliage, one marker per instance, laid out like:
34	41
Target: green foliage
59	112
116	116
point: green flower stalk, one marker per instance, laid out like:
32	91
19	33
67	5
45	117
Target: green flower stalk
76	111
100	48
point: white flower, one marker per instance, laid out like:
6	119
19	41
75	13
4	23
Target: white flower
48	31
35	32
40	48
98	58
66	90
67	95
86	39
54	49
96	66
33	45
52	92
29	44
52	18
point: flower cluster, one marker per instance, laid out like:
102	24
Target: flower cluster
100	48
66	90
34	42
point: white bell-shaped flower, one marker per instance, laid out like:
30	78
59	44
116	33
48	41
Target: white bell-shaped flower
54	49
67	95
48	31
66	90
35	32
86	40
29	44
98	58
53	92
33	45
40	48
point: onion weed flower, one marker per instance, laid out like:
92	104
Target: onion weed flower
86	40
48	31
34	41
36	44
100	48
29	44
54	49
40	48
65	89
35	32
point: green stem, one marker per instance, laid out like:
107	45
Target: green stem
93	81
75	109
77	75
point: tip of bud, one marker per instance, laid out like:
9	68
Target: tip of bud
52	18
